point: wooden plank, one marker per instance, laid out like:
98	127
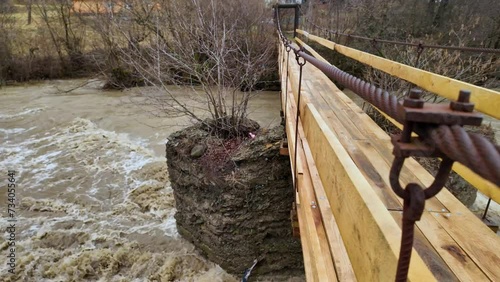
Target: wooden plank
327	43
312	225
427	252
317	253
486	101
357	209
486	187
309	266
329	240
331	104
290	131
343	266
308	256
347	121
317	236
306	231
444	243
474	237
369	171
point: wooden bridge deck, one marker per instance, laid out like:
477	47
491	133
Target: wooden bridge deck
349	217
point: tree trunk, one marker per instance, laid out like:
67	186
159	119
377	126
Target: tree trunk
438	19
29	11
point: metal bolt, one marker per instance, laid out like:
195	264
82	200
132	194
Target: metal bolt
464	96
415	93
463	103
414	99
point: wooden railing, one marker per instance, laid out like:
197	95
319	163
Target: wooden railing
486	101
349	217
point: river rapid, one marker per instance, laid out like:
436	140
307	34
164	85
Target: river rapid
93	200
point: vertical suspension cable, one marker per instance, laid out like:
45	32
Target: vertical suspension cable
287	49
301	65
420	50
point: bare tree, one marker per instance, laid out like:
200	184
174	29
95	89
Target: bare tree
66	32
219	46
29	8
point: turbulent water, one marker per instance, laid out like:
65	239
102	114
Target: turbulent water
93	199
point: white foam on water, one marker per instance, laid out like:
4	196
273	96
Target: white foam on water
14	156
21	114
81	179
169	226
12	130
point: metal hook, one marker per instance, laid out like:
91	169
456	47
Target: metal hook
298	57
432	190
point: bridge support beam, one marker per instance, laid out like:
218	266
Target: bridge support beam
297	15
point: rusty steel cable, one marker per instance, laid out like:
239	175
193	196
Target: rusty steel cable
379	98
286	44
482	159
301	64
472	150
287	49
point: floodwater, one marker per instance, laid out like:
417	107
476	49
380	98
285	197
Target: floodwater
93	199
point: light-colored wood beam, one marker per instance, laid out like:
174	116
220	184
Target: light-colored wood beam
486	187
486	101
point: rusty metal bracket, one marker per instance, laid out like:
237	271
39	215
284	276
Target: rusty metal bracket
418	117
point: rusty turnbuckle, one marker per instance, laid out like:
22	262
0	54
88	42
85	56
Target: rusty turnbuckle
422	117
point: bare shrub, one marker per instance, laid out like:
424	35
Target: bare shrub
473	68
219	47
66	32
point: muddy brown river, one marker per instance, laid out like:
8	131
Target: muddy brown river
92	197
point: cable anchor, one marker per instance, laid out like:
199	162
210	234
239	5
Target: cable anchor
418	117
